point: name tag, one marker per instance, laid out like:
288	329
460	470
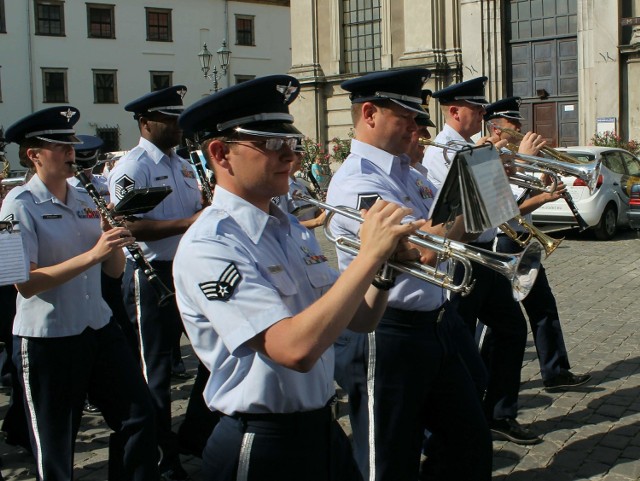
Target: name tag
52	216
162	178
275	269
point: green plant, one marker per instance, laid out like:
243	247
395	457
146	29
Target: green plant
611	139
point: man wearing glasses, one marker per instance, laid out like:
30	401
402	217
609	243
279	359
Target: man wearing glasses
153	163
259	301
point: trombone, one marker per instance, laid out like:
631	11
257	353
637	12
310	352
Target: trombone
521	269
520	179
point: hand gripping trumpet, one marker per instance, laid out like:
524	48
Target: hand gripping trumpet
520	269
516	178
163	292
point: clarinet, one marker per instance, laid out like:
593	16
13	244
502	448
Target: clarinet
574	210
163	292
194	159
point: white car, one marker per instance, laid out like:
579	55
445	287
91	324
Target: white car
606	208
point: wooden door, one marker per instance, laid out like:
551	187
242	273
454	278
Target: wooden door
545	122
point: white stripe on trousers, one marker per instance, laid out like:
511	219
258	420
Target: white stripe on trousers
29	399
245	456
371	378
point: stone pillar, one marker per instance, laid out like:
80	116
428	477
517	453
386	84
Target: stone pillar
308	109
598	64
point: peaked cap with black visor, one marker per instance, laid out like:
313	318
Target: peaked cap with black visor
54	125
471	91
167	101
402	87
508	108
258	107
87	151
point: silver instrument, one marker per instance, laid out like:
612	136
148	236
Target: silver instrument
521	269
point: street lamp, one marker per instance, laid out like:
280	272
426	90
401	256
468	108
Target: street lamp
205	57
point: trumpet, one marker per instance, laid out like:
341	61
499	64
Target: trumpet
518	178
521	269
548	243
561	164
550	151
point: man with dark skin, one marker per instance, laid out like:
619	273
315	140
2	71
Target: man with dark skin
154	163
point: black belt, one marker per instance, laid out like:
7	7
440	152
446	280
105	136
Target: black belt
393	314
288	420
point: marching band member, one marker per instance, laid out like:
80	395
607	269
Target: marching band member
540	304
491	300
406	376
259	301
152	163
66	344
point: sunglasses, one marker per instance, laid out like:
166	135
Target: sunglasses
274	143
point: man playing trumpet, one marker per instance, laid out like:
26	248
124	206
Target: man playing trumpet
407	376
540	304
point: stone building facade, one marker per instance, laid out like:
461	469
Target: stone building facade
573	62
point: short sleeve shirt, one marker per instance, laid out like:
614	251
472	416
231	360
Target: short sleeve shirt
53	232
148	166
237	272
369	173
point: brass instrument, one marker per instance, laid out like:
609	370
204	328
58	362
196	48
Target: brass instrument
550	151
520	269
561	164
516	178
548	243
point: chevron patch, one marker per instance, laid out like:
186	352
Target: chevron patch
223	288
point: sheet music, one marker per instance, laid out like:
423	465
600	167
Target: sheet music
476	186
14	267
491	184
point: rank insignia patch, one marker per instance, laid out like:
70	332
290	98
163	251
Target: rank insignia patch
123	185
366	200
222	289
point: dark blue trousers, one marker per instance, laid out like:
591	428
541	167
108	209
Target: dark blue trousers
159	328
544	320
309	446
491	302
58	373
407	377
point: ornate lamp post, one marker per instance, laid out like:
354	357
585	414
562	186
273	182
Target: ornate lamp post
206	56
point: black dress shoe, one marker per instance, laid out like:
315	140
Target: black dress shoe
510	430
566	380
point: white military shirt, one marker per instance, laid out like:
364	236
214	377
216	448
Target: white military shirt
148	166
238	271
53	232
369	173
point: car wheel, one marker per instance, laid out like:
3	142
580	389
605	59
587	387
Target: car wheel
606	228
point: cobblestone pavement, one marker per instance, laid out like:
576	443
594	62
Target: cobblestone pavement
592	433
